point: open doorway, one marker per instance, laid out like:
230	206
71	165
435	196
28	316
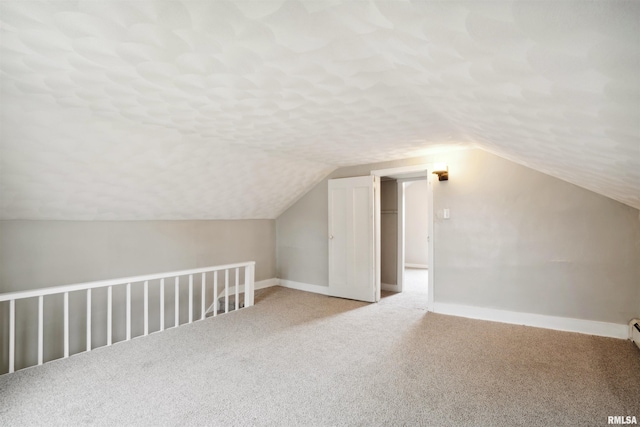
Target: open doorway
390	213
405	256
413	222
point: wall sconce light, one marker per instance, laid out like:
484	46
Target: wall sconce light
442	170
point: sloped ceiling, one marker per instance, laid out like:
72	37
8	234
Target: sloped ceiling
192	110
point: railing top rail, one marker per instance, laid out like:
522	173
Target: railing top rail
111	282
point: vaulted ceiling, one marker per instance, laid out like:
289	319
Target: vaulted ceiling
212	109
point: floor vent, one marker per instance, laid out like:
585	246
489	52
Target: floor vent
635	331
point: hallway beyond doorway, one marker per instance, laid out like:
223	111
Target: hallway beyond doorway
415	291
416	280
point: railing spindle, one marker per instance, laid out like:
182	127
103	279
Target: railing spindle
128	311
40	328
177	298
202	296
162	304
226	290
109	315
146	307
191	298
215	293
66	324
237	288
248	288
252	284
88	319
12	335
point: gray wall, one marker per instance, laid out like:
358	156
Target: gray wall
416	223
524	241
35	254
517	240
389	232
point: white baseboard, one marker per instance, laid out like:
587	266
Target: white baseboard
257	285
323	290
410	265
388	287
591	327
267	283
262	284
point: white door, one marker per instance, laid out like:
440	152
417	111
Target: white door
352	249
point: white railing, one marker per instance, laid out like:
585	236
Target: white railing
249	288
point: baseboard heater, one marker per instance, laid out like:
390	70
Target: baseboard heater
635	331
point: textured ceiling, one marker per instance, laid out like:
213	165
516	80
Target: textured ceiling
203	109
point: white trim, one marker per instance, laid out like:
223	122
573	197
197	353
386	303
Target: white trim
403	170
267	283
411	265
376	207
262	284
400	236
258	285
408	171
431	254
389	287
591	327
316	289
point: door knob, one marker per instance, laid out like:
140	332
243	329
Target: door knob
330	236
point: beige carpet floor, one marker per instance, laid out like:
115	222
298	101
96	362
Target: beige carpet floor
304	359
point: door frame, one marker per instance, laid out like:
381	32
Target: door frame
404	174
